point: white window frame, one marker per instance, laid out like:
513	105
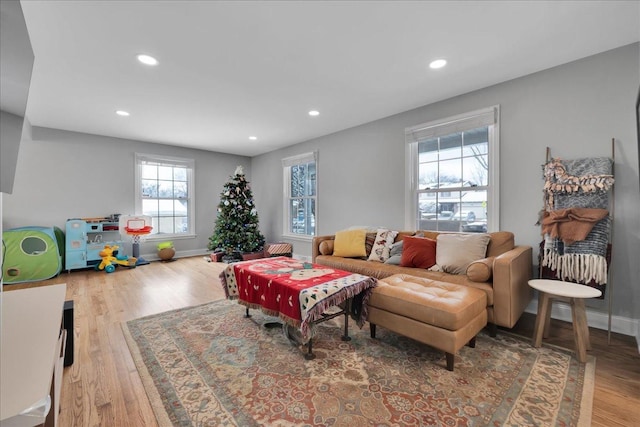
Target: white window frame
140	159
489	116
287	163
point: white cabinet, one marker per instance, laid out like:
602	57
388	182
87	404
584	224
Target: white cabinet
31	355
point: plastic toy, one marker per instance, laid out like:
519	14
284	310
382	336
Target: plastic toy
109	261
137	227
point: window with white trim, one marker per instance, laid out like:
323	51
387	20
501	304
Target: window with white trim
164	191
452	176
300	195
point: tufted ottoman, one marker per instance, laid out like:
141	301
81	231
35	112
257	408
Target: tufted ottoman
443	315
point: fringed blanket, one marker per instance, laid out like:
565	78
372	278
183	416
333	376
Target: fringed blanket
297	292
576	199
562	267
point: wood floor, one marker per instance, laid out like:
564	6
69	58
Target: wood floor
102	387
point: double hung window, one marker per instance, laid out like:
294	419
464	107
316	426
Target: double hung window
300	195
164	191
452	179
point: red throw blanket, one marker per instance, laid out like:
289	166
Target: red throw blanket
571	225
297	292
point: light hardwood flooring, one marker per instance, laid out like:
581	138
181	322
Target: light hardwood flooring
102	387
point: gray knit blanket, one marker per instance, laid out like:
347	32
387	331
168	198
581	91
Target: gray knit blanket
580	183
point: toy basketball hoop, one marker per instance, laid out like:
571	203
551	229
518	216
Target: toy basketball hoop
136	227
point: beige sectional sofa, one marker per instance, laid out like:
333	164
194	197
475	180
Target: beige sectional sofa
509	269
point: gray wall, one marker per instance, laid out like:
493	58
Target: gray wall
10	136
63	175
575	109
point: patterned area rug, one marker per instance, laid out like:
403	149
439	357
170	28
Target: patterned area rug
210	366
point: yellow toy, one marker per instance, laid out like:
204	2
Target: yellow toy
109	261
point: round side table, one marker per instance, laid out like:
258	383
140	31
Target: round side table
572	293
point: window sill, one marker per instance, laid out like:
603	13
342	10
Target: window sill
298	237
162	237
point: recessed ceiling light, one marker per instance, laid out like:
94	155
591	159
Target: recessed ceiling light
147	60
123	113
253	138
314	113
438	63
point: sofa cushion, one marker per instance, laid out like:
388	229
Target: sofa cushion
396	248
369	240
326	247
382	245
418	252
395	253
402	234
394	260
481	270
501	242
455	251
350	243
429	234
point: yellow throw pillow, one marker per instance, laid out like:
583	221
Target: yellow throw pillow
350	244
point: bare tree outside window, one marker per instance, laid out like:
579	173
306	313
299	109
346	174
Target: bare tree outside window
453	176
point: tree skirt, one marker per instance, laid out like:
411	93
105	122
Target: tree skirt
209	366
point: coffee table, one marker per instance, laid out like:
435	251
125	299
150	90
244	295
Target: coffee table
299	293
572	293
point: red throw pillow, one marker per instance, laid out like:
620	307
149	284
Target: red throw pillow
418	252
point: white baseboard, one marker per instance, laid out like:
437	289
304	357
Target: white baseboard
205	252
596	319
179	254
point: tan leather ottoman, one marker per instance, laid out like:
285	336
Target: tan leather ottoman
443	315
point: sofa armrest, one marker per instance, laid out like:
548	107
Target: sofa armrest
315	245
511	291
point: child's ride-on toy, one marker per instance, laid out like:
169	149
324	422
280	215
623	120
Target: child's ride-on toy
109	261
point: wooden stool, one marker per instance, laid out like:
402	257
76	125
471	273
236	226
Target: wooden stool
572	293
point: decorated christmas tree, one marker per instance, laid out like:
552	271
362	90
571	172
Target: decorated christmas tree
236	230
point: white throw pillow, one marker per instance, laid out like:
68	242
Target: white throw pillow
454	252
382	245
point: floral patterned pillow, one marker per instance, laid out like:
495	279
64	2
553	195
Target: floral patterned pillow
382	245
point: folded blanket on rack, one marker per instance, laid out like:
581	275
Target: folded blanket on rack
571	225
583	261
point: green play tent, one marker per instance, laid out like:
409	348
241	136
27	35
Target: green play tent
31	254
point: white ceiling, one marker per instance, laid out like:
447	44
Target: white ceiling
229	70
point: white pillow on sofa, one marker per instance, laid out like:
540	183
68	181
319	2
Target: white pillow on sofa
382	245
454	252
